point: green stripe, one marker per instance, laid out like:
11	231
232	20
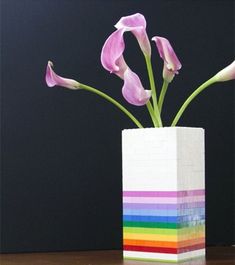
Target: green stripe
189	224
146	259
162	231
164	260
142	230
159	225
149	224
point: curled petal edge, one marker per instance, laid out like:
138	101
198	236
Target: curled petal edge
52	79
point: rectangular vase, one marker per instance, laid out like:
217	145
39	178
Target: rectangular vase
163	193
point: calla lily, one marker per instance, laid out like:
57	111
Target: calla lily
112	51
52	79
171	62
137	25
111	54
133	90
226	74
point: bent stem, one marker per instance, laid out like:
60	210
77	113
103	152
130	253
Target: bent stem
153	89
190	98
162	95
113	101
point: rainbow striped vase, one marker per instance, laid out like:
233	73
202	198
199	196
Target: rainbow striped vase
163	194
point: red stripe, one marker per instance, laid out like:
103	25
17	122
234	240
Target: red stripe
164	250
191	248
151	249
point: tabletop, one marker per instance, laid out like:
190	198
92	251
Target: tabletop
214	256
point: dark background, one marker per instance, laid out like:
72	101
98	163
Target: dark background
61	149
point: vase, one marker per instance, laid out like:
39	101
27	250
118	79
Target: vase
163	194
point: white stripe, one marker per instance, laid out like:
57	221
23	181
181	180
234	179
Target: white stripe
164	256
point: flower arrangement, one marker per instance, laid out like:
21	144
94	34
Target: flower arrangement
133	91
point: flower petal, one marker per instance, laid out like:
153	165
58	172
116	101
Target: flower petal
171	61
111	54
52	79
137	25
132	21
133	90
226	74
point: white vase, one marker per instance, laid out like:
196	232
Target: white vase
163	193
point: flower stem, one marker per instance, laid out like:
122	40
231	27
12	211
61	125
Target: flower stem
190	98
113	101
153	89
151	112
162	95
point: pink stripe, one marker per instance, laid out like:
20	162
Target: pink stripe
163	193
191	199
163	199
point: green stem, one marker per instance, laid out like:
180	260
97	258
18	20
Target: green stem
153	89
113	101
190	98
151	112
162	95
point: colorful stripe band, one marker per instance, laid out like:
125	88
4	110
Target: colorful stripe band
163	222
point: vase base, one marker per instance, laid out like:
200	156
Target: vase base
166	258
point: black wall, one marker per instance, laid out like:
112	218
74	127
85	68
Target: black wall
61	149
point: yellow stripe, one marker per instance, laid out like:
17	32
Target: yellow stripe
156	237
162	231
172	238
140	230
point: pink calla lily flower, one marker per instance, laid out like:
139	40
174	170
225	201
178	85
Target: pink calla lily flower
112	51
133	90
171	61
111	54
52	79
226	74
137	25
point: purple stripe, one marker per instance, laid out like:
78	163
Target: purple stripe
156	206
163	193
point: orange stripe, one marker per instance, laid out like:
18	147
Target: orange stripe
191	242
166	244
149	243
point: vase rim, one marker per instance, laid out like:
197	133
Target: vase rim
167	128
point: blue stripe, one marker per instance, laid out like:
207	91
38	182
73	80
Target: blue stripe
135	218
156	212
167	219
